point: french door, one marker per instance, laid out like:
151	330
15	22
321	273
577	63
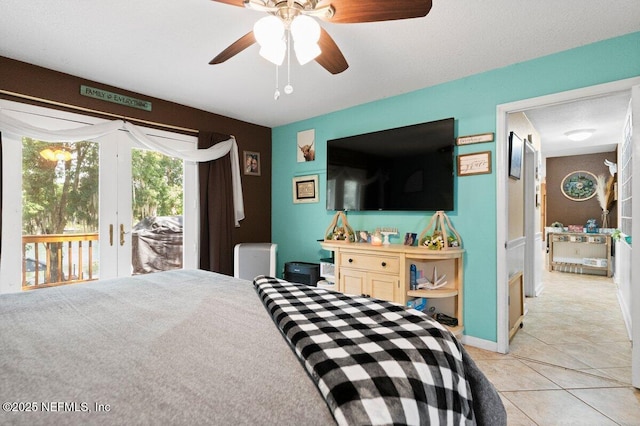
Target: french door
74	211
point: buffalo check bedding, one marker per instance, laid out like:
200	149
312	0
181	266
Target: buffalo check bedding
374	362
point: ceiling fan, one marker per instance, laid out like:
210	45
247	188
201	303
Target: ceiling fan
311	42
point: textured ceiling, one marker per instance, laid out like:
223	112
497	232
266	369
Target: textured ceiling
162	49
605	115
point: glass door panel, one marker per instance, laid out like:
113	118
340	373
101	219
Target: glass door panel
157	211
60	207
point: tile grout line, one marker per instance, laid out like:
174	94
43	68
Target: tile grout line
609	379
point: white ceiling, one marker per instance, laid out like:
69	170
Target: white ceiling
162	49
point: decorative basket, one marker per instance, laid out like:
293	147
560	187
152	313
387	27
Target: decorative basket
440	234
339	229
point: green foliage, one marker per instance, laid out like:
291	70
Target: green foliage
157	185
57	194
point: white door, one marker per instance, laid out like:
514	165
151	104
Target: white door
635	254
100	250
115	206
130	242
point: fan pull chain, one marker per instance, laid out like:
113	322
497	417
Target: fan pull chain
288	89
276	94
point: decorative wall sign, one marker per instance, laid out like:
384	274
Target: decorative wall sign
480	138
305	189
306	145
579	185
104	95
474	164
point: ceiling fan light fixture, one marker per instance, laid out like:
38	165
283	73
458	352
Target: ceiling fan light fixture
306	52
268	30
305	29
580	134
274	52
57	155
48	154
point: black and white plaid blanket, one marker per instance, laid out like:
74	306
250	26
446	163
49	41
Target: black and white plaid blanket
375	363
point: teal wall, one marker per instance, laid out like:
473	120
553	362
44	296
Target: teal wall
472	101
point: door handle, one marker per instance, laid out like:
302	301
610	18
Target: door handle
121	234
111	234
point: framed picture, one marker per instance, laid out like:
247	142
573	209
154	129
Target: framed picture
306	146
516	150
305	189
362	236
579	186
478	163
251	163
410	238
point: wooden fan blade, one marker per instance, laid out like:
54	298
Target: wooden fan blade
331	57
235	48
349	11
231	2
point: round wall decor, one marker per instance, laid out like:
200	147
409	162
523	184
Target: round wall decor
579	186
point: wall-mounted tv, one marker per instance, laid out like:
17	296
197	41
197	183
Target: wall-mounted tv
403	169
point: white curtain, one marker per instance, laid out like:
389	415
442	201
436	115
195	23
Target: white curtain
19	128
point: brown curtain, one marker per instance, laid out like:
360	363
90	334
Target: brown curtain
216	209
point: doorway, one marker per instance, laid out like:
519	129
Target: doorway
96	193
501	200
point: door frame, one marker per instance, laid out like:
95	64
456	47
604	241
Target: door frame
502	150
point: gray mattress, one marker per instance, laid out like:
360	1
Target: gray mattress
176	347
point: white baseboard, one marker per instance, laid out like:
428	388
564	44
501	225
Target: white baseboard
487	345
626	313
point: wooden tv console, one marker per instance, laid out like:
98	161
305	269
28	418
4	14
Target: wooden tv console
383	272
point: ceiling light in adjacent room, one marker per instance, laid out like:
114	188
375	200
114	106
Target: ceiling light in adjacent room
580	134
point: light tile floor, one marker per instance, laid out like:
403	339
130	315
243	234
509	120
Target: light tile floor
571	361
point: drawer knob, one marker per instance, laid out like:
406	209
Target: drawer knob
384	264
350	260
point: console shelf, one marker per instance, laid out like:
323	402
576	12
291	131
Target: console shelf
580	253
383	272
433	294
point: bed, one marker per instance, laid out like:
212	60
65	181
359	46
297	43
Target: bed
196	347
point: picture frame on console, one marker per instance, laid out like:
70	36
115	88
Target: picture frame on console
516	151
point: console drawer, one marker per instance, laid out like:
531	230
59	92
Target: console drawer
373	263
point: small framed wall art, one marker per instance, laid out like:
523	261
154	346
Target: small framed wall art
478	163
305	189
516	150
306	145
579	186
251	163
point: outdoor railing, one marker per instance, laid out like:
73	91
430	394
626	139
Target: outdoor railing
66	259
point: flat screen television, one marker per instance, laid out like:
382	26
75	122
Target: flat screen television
403	169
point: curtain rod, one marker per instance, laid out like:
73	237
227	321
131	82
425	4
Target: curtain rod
94	111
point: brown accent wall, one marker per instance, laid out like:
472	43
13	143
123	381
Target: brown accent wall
26	79
568	212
